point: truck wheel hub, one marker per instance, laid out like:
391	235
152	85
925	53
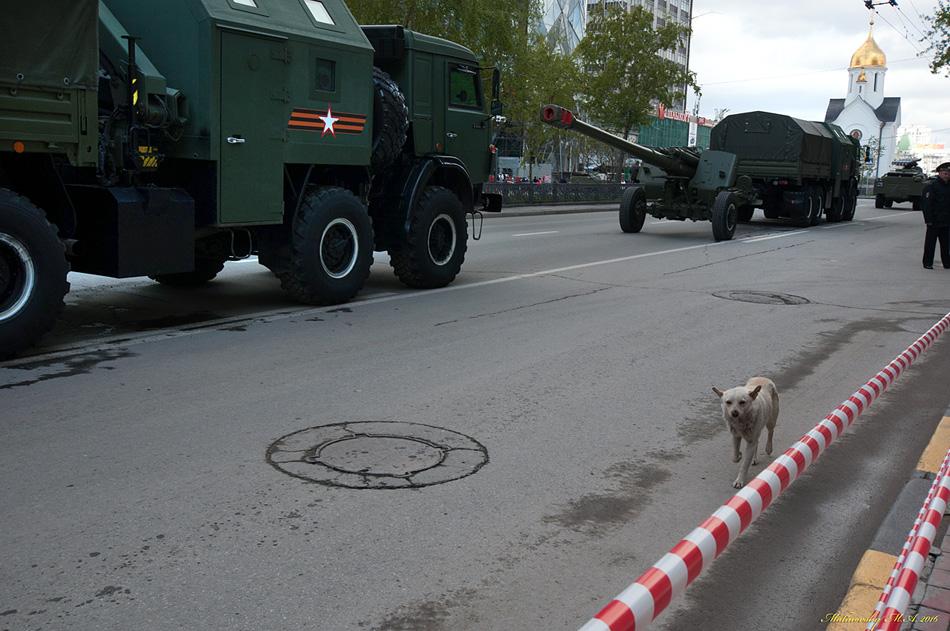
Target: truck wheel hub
339	248
442	238
17	276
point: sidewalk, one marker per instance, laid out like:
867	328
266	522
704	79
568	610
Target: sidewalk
929	609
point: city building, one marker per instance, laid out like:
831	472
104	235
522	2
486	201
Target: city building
914	143
564	22
865	112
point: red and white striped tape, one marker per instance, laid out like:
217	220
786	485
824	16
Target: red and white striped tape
889	613
875	617
638	605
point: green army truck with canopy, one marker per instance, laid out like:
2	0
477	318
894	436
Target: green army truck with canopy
163	139
796	168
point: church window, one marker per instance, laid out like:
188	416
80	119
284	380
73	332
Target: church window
875	81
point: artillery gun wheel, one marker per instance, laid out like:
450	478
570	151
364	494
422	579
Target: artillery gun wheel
435	246
879	200
33	270
633	209
725	216
916	202
888	203
390	121
332	248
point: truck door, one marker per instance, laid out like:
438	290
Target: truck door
466	124
250	186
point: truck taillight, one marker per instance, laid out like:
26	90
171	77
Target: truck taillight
19	147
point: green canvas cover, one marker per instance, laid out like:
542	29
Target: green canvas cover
774	137
55	45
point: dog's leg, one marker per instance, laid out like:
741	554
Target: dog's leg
748	457
768	441
736	440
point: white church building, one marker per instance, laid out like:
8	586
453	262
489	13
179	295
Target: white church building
866	113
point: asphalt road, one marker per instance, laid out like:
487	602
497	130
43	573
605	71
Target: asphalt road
551	411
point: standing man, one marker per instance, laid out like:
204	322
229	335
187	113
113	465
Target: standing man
936	207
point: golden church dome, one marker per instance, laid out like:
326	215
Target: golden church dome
869	54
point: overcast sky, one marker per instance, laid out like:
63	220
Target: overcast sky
791	57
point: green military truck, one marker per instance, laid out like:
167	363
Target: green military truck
795	168
901	185
163	139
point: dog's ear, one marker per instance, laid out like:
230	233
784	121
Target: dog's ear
755	392
718	391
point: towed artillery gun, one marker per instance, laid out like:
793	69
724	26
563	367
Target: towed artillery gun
684	183
785	166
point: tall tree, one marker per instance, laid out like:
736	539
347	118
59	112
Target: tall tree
938	35
539	75
624	71
492	29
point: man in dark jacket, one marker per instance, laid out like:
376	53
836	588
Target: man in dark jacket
936	207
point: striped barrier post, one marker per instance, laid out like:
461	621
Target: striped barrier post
638	605
897	598
877	614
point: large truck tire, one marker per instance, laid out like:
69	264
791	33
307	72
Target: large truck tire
725	216
206	268
435	246
804	220
817	206
390	121
836	210
331	248
850	204
33	270
879	200
633	209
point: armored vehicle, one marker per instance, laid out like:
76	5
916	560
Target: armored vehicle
902	185
787	167
163	139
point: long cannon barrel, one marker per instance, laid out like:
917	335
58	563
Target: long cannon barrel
677	162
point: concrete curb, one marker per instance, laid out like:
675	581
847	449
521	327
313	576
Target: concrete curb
929	609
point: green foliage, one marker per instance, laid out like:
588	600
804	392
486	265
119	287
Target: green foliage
540	75
622	76
938	35
624	73
492	29
501	33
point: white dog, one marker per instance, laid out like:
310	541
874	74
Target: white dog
748	410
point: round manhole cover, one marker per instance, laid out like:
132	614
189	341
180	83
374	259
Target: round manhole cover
377	455
762	297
